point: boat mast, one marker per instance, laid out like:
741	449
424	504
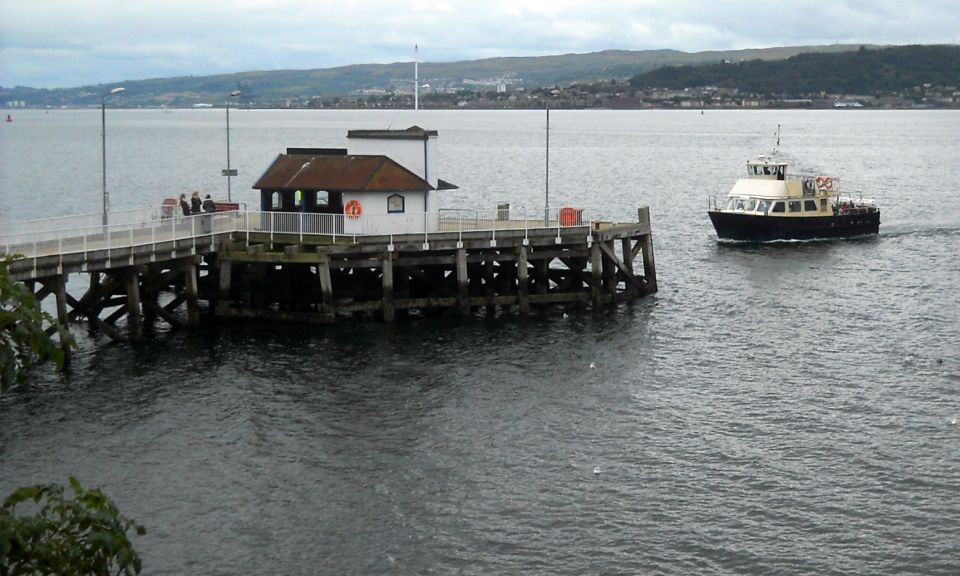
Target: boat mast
416	77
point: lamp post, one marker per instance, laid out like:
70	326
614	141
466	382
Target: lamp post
229	172
103	132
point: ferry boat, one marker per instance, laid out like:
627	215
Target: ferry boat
770	204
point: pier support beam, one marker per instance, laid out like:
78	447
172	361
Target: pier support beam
226	269
523	287
190	285
627	250
596	268
134	320
490	289
63	315
463	282
610	268
388	307
649	267
326	286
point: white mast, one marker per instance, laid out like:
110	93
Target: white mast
416	77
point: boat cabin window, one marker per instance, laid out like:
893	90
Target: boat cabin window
763	206
751	205
794	205
810	205
777	207
740	204
823	204
731	204
781	172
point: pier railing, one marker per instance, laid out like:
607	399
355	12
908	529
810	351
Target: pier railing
339	226
121	235
143	227
51	227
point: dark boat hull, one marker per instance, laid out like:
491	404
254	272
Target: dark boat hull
760	228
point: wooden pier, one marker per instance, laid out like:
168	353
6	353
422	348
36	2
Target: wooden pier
285	277
258	265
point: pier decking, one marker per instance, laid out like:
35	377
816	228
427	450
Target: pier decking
305	267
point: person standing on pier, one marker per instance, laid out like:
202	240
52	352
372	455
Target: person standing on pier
195	203
184	206
209	205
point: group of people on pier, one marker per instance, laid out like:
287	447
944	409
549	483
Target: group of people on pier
195	206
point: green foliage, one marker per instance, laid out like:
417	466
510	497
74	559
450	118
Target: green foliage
23	341
860	72
82	535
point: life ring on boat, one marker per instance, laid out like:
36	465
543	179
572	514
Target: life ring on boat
353	209
824	182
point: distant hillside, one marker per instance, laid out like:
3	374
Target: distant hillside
274	87
860	72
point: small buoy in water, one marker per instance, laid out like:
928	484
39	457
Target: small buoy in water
596	470
564	314
9	118
592	365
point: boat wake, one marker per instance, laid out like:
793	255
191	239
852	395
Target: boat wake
921	231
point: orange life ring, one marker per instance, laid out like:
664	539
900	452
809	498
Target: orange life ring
568	216
353	209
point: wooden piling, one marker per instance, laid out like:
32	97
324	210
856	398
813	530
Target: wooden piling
190	286
134	323
523	287
387	275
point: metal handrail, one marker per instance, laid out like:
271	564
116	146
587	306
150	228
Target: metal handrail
71	240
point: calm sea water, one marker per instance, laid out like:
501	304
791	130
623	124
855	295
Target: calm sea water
779	408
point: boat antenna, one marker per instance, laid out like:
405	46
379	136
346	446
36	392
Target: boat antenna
778	140
416	77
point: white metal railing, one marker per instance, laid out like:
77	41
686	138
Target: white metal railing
40	226
116	236
135	228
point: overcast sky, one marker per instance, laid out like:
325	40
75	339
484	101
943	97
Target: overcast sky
66	43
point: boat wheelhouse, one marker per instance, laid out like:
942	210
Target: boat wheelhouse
771	204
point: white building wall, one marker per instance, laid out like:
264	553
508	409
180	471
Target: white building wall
407	153
376	220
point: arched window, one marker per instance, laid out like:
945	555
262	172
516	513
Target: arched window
395	204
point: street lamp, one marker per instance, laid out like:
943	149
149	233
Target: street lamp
229	172
103	132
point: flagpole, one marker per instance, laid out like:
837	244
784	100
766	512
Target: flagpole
546	190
